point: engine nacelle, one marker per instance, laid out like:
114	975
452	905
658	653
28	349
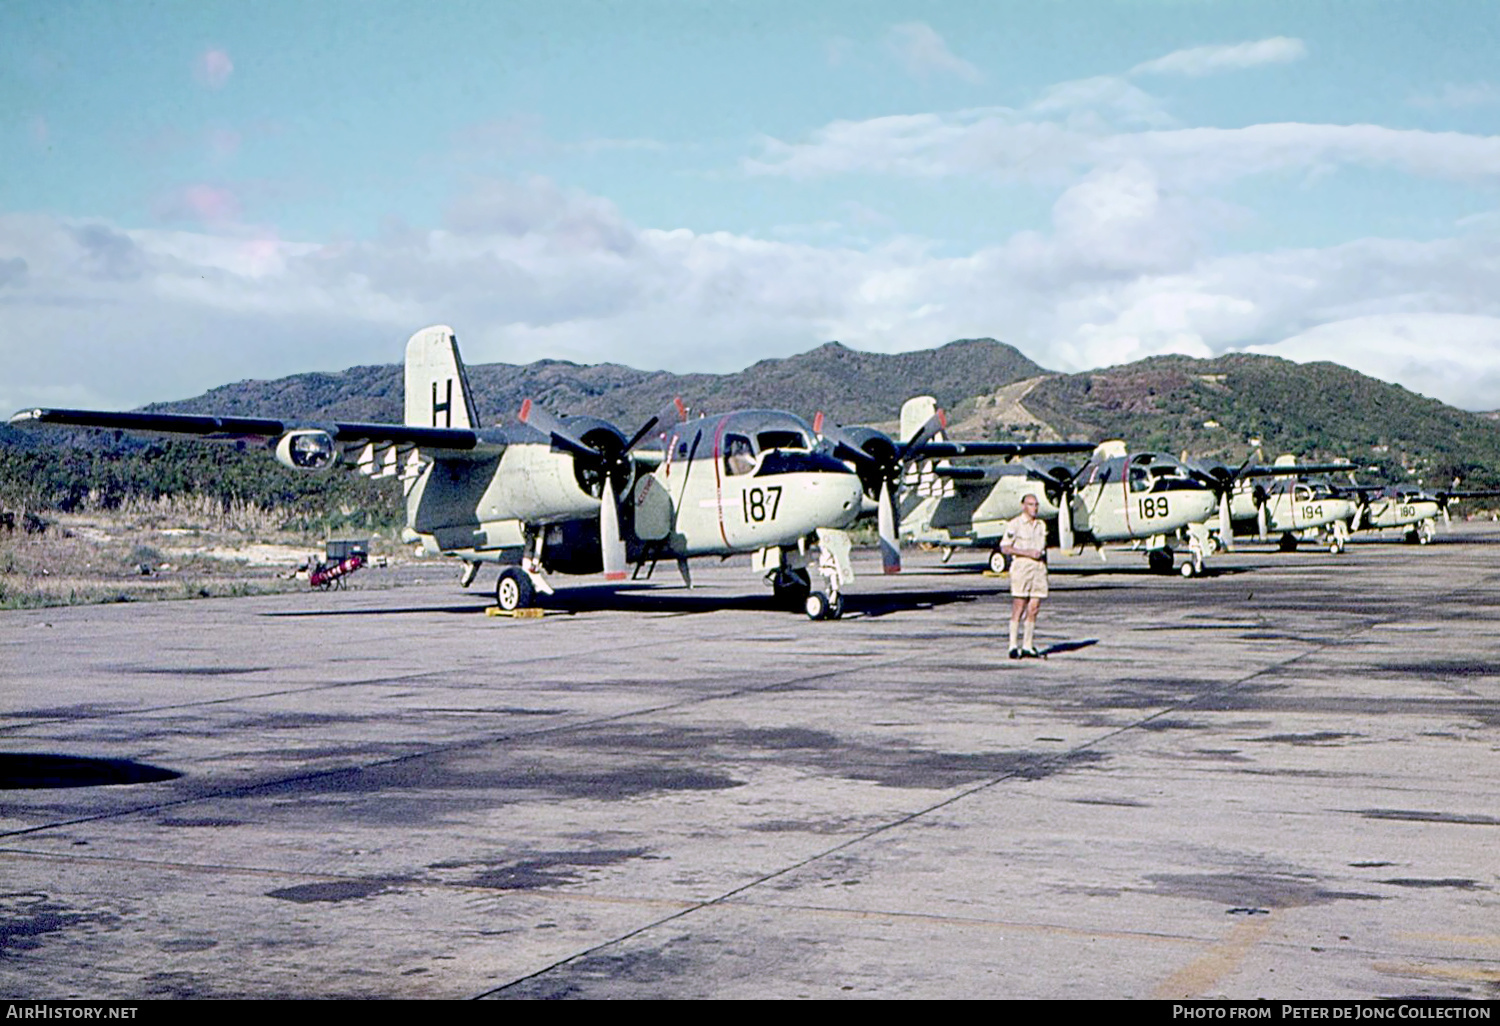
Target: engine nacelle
307	449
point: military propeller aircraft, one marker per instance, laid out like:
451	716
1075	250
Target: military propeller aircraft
1405	507
1288	507
1117	496
572	495
912	484
1150	497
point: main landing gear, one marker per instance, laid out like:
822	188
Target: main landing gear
514	590
792	580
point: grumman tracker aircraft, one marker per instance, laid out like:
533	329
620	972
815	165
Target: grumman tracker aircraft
918	494
1291	508
1405	507
1117	496
571	494
1150	497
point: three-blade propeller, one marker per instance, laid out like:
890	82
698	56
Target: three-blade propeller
611	461
879	462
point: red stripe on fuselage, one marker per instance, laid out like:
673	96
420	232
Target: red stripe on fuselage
718	479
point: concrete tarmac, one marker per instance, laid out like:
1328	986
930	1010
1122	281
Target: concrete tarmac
1279	781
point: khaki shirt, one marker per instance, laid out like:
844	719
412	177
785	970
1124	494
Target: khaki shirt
1021	534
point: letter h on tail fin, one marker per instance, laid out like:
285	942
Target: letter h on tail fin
432	368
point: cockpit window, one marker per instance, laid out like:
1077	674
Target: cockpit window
739	457
1140	480
781	440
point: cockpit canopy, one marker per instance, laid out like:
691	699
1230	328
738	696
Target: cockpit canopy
1142	472
750	435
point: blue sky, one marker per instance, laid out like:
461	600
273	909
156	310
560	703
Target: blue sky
199	192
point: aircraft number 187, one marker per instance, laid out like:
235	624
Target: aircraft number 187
760	504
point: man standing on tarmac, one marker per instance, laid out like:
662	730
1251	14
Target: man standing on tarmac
1025	541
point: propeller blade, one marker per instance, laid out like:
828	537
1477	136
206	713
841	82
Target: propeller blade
1065	520
611	543
890	543
845	447
935	423
672	413
1359	516
1260	520
1226	526
549	424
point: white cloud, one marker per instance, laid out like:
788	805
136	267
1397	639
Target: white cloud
1198	61
923	52
1010	144
523	270
1451	356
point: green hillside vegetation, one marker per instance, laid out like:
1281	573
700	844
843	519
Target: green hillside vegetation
1317	410
1207	407
99	471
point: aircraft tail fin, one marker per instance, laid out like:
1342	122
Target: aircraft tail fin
915	413
437	389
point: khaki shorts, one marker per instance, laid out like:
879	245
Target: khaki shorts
1028	578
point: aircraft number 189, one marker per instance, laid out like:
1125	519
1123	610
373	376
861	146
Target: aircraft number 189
1153	508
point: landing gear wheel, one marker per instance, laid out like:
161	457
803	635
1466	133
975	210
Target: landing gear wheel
514	590
1336	547
791	588
1161	560
835	607
1288	543
998	563
1189	568
1412	537
817	605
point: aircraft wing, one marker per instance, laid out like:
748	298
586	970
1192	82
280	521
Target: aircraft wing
945	449
372	448
1292	469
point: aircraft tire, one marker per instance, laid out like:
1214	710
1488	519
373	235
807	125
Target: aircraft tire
836	607
817	605
514	590
998	563
1288	543
1161	560
1188	568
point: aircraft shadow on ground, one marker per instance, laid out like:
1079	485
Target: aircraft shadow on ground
674	600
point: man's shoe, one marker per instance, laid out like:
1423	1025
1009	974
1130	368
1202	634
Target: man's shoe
1031	653
1015	653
